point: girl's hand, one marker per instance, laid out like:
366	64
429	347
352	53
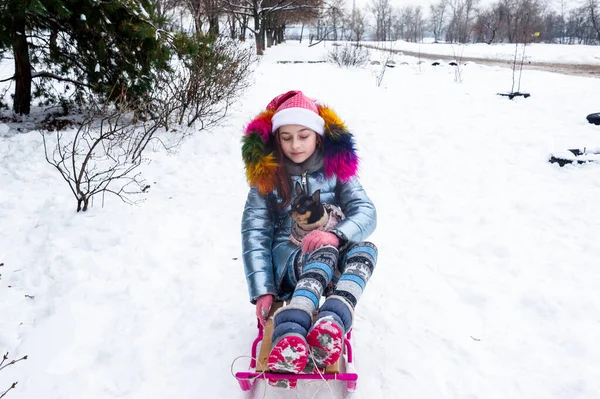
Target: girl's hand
263	306
317	239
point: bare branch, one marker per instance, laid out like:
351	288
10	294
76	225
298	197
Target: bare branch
11	362
3	366
13	386
60	78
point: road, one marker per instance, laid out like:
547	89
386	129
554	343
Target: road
567	69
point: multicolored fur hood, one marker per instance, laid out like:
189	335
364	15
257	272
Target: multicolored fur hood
259	150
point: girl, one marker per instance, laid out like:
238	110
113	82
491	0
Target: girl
296	140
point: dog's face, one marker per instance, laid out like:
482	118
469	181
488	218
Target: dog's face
306	209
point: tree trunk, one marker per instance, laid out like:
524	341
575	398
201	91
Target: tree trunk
243	26
213	25
232	26
22	102
260	38
260	47
301	32
54	44
493	37
198	24
269	30
335	32
197	20
594	17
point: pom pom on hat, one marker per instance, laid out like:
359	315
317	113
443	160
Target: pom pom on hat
294	108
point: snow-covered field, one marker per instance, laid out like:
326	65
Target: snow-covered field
534	52
487	282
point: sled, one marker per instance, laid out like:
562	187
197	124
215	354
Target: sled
594	118
515	94
343	370
576	156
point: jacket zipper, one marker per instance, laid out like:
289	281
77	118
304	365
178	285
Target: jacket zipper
305	182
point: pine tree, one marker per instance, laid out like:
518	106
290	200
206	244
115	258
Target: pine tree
100	45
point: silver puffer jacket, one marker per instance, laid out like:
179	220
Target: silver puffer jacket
266	229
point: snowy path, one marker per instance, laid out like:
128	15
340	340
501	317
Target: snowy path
567	68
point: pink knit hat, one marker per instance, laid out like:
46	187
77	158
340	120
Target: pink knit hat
294	108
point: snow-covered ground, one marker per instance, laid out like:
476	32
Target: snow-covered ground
487	281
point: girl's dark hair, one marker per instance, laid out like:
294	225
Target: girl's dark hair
284	180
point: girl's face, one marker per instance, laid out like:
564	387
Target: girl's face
297	142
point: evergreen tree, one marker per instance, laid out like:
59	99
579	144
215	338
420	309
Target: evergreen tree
100	45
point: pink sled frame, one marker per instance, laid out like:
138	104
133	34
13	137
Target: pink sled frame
247	379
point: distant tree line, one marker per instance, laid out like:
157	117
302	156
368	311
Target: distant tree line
265	20
464	21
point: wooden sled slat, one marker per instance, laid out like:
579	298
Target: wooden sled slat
334	368
265	347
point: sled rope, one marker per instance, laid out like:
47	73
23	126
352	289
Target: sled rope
324	380
249	379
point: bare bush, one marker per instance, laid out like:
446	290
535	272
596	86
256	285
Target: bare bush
349	55
3	366
386	60
201	89
103	153
206	78
458	57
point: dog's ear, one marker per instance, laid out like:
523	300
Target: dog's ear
298	188
317	196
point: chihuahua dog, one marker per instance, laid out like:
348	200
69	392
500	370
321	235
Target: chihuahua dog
310	214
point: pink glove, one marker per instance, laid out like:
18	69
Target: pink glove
317	239
263	305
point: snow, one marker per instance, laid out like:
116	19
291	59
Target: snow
329	326
289	353
534	52
144	13
486	285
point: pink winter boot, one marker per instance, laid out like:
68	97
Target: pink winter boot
326	339
289	354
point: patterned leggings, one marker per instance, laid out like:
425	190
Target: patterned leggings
326	271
